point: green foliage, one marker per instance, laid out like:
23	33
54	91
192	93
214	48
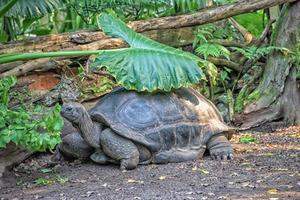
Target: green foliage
31	8
25	17
5	86
7	5
209	32
20	127
295	59
24	13
103	87
247	139
43	181
221	2
204	44
183	6
212	49
254	53
132	9
50	180
253	22
147	65
240	100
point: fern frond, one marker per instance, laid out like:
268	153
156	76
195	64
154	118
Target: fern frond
254	53
214	50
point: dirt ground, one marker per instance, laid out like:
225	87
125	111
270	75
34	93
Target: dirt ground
267	169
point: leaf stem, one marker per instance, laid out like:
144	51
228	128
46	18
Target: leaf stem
28	56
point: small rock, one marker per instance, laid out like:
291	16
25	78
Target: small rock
211	194
89	193
105	185
38	197
57	167
191	198
235	174
79	181
205	184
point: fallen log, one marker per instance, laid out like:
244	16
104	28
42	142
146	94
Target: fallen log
207	15
85	40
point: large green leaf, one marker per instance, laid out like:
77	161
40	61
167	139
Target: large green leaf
141	69
148	65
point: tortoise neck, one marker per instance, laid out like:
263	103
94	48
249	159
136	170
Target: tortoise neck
89	130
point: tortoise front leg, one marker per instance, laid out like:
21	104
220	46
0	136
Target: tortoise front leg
119	149
220	148
73	146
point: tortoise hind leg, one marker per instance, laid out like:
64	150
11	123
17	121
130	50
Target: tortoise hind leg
220	148
119	149
178	155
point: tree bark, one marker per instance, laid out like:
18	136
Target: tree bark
278	95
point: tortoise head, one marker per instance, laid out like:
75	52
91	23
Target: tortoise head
73	112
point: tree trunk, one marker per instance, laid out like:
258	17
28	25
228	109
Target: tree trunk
278	95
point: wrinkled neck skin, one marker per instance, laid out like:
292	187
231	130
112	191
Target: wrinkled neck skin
89	130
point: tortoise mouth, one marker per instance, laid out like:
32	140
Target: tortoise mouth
63	113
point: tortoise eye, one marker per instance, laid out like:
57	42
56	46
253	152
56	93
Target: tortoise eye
69	109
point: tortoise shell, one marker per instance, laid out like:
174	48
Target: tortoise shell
160	121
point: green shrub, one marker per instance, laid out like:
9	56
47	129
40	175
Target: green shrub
20	127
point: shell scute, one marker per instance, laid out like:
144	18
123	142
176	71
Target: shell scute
168	138
182	135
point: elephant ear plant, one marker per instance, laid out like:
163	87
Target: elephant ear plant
146	65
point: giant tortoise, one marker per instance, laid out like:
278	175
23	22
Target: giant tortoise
130	128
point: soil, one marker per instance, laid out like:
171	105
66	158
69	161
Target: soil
266	169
